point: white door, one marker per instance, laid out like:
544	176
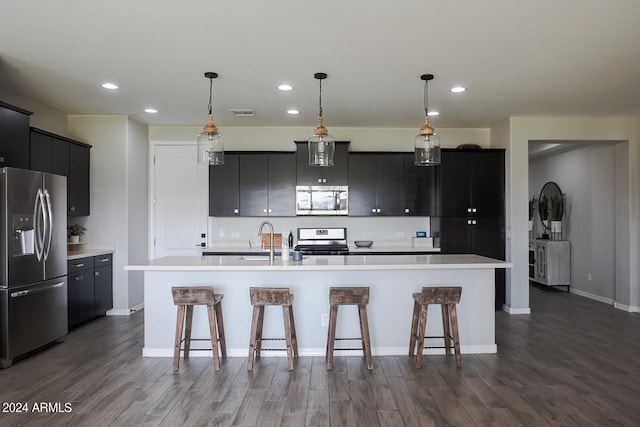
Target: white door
181	201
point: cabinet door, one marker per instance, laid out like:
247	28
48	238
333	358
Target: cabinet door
60	158
487	182
305	174
362	184
420	188
254	199
102	286
455	190
81	283
73	302
338	173
78	180
40	155
14	137
224	187
281	180
455	235
389	184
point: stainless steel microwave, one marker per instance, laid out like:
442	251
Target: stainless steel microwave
322	200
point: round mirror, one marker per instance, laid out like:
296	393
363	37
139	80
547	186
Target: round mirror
550	204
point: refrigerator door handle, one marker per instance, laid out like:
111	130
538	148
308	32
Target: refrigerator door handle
26	292
48	224
39	215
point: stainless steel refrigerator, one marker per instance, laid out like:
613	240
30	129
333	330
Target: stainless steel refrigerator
33	258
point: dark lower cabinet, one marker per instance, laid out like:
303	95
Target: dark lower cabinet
14	136
90	288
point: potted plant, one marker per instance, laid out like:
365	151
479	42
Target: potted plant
556	211
74	232
532	207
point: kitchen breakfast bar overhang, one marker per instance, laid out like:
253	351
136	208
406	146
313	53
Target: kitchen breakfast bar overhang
391	278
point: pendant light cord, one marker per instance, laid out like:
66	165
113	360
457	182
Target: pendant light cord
210	94
426	99
320	99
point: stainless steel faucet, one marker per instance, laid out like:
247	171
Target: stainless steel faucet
271	252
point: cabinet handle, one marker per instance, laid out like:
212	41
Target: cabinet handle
78	278
79	265
72	208
471	222
406	210
474	210
373	210
104	260
97	273
324	179
264	210
378	210
319	179
235	211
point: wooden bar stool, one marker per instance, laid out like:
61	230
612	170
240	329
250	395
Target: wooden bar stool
185	297
447	298
349	296
261	297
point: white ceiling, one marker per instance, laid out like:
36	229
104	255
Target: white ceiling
542	58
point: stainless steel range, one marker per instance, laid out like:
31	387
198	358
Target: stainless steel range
322	241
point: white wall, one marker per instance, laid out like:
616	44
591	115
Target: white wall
119	147
587	177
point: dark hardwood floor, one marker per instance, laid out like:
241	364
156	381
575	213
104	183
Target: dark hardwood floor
573	362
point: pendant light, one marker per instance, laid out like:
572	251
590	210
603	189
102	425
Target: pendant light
321	145
427	144
210	141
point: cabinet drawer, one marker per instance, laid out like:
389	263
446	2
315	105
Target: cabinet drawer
79	264
102	260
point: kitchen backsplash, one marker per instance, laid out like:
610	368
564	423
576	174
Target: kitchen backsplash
229	230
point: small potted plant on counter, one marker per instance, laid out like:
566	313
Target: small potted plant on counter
74	232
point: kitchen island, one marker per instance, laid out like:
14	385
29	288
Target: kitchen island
392	279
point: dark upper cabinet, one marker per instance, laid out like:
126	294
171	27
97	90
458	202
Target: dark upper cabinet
314	175
376	184
224	187
420	188
14	136
78	180
472	183
267	184
63	156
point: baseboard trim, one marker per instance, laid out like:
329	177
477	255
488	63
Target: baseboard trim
512	310
627	308
124	312
592	296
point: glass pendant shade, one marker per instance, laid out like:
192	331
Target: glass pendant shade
427	150
211	145
322	147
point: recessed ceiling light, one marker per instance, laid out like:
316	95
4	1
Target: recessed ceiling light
433	113
110	86
150	110
458	89
285	87
293	112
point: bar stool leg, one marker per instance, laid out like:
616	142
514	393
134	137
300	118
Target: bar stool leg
456	337
294	337
446	327
214	337
259	330
253	337
414	328
422	328
331	335
286	313
364	334
223	342
178	340
187	331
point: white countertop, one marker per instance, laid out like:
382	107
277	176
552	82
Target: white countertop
325	263
385	246
83	251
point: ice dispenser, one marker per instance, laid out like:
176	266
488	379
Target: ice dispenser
23	235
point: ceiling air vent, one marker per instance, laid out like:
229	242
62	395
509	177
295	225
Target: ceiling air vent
242	112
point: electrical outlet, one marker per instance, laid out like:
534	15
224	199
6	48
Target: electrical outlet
588	277
222	232
367	234
235	235
324	319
